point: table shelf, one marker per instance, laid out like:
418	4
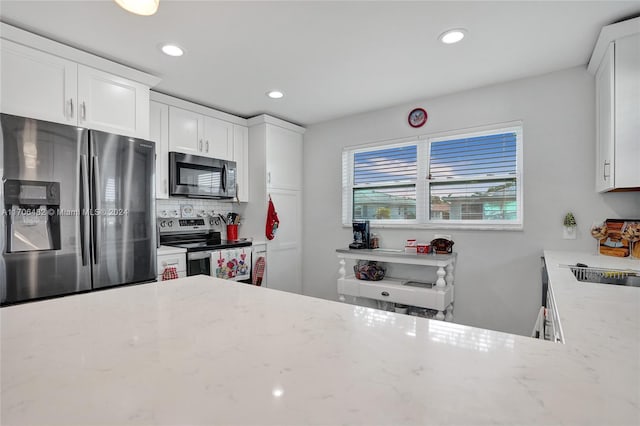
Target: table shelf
439	297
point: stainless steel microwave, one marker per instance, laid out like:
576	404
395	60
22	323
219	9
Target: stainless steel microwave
201	177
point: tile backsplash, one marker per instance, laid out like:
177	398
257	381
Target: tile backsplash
173	207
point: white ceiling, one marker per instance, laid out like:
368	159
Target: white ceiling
331	59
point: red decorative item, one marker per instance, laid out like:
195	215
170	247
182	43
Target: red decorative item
417	117
170	273
272	221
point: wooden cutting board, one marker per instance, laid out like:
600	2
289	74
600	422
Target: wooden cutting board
613	244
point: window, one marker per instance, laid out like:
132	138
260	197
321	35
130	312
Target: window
464	180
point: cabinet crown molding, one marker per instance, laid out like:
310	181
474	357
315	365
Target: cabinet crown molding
267	119
34	41
609	34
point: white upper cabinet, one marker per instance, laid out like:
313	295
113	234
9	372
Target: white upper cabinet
284	158
605	123
184	131
46	80
112	104
198	130
218	138
37	85
198	134
159	133
616	64
241	157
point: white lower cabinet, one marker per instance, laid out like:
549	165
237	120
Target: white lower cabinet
285	250
174	260
39	85
159	133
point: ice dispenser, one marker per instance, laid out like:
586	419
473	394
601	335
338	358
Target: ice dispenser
32	210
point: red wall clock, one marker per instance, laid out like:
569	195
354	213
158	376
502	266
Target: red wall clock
417	117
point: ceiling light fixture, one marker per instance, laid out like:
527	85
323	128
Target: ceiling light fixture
172	50
452	36
275	94
139	7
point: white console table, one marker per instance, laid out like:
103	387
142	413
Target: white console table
440	296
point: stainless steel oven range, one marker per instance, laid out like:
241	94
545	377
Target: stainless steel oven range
207	252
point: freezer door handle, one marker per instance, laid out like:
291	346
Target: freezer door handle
84	210
96	213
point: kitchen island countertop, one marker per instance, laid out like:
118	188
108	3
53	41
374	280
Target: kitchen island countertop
200	350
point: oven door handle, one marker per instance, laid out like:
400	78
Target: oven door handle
198	255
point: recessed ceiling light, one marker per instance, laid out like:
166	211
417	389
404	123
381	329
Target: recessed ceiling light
172	50
452	36
275	94
139	7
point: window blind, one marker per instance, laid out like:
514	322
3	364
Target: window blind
474	178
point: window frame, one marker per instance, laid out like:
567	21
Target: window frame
423	144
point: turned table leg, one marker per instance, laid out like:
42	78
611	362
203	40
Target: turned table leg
440	282
440	316
449	316
449	277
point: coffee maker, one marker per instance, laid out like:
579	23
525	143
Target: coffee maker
361	235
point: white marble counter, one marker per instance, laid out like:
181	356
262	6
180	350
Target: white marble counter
206	351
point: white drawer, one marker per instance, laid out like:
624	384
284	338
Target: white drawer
393	291
177	260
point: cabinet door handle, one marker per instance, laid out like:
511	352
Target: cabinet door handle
200	149
269	177
604	170
84	111
207	146
385	293
71	108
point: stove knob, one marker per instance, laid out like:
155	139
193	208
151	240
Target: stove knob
210	221
162	224
170	223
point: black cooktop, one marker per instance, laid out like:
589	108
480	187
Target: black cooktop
208	245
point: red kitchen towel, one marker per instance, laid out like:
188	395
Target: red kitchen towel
169	273
272	221
258	271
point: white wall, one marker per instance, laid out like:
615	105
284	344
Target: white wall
498	276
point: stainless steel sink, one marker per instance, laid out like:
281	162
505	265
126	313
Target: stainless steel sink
606	276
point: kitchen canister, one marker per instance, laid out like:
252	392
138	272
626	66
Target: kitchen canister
232	232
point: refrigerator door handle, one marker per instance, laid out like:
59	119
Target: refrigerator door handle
84	210
96	213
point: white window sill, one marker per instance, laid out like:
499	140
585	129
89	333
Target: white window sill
438	226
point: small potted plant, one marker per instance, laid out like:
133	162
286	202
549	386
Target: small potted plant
570	226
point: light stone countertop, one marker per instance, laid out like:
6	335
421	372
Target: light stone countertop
200	350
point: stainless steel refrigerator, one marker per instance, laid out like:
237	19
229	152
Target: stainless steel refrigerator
78	209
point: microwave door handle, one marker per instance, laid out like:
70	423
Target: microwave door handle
84	211
224	178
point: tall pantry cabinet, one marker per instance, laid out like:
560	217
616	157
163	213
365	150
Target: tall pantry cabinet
276	171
